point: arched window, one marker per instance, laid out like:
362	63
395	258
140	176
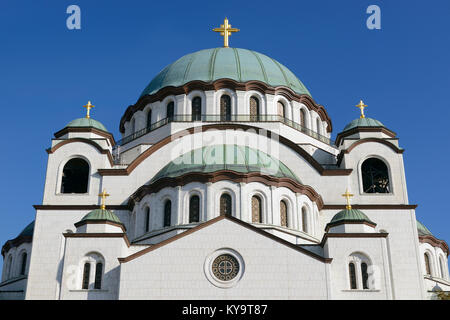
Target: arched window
256	209
197	109
281	110
375	176
133	126
149	119
441	266
254	109
352	274
225	108
167	213
75	176
147	219
23	265
86	274
170	111
304	220
283	214
225	205
303	118
318	125
365	275
194	209
9	268
427	264
98	275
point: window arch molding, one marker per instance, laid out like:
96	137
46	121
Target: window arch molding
287	106
307	114
264	203
290	209
233	100
93	258
63	163
164	104
218	196
443	266
359	258
9	267
261	99
360	175
187	201
431	259
190	97
21	269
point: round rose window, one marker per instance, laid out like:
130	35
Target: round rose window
225	267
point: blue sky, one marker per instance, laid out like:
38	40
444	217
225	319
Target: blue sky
48	72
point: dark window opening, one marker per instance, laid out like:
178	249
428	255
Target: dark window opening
75	176
197	109
98	275
365	275
149	119
225	108
351	268
167	213
170	111
375	176
225	204
147	219
194	209
86	272
24	264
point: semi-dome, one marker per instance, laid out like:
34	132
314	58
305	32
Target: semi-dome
241	159
422	230
86	123
241	65
363	122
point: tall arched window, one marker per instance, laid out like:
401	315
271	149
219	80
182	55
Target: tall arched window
147	219
9	268
256	209
225	205
318	125
170	111
23	265
365	275
225	108
149	119
281	110
167	213
254	109
98	275
75	176
133	126
283	214
352	275
375	176
86	274
427	264
304	220
302	118
194	209
441	266
197	109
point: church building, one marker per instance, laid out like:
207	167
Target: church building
225	184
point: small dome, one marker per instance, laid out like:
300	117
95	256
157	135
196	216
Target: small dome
241	65
363	122
87	123
350	215
225	157
101	215
422	230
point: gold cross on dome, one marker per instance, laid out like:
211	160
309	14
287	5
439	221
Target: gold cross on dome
348	195
103	195
361	106
225	31
88	107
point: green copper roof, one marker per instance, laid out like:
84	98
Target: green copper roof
241	65
101	214
350	215
226	157
28	231
88	123
422	230
363	122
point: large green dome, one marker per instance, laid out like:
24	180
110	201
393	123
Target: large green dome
241	65
240	159
363	122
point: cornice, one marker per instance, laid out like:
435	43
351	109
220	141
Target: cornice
350	132
432	240
96	131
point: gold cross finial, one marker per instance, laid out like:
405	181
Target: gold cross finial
88	107
361	106
348	195
225	31
103	195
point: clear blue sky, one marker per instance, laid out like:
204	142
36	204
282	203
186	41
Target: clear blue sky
48	72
